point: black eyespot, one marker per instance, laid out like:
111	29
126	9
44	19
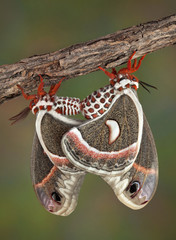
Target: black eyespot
134	187
55	196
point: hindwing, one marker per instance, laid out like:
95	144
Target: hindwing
57	191
137	186
50	128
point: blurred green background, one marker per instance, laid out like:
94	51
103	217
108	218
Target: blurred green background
31	27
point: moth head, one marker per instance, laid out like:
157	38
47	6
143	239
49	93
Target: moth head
124	78
36	98
140	189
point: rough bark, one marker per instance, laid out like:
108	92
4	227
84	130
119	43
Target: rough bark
80	59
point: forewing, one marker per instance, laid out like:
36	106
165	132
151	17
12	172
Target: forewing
110	143
57	191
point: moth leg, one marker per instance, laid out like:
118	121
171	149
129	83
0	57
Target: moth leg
129	61
139	64
135	63
110	75
54	88
25	95
40	90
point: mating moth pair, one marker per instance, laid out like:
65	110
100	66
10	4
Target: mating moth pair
114	141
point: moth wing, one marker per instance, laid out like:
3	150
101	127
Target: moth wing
57	191
50	128
108	144
137	186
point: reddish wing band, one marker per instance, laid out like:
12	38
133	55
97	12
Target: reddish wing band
88	146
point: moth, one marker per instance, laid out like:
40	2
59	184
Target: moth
116	143
56	181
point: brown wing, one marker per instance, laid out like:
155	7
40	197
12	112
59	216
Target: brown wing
137	187
110	143
50	129
57	191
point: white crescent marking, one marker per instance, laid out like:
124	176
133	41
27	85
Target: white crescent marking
114	130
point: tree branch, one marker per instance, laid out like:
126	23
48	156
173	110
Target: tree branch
80	59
